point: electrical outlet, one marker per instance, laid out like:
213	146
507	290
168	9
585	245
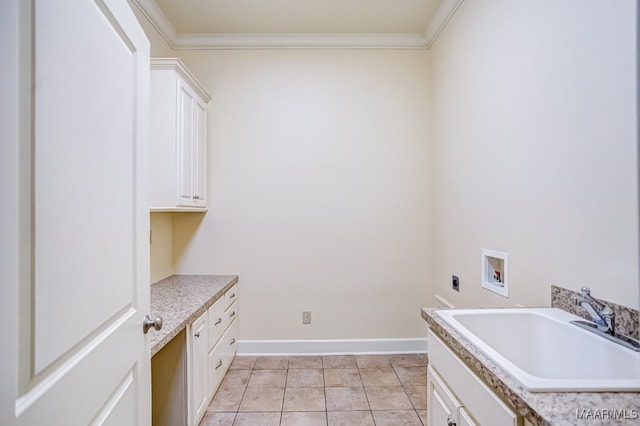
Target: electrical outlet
455	283
306	317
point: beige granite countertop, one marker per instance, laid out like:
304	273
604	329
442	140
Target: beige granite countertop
180	299
539	408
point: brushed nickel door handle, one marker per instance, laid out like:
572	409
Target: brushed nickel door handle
148	322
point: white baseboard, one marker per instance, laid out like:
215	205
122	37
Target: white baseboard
441	302
332	347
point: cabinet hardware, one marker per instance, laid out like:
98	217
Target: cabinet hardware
218	322
219	364
451	422
232	296
232	314
197	334
232	342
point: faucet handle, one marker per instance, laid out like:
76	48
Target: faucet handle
586	291
575	300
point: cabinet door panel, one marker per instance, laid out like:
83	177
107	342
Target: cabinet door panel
200	155
185	152
198	363
443	406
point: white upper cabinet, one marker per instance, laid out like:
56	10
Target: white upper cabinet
178	137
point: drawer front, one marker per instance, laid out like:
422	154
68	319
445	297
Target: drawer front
478	399
216	370
217	321
231	295
230	344
231	314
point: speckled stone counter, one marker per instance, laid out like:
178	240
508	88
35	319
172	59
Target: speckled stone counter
180	299
539	408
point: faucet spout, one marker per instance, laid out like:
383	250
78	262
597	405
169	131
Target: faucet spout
601	314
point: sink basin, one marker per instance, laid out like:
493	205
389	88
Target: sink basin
541	349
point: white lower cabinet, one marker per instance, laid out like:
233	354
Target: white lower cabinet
222	346
212	346
456	396
188	370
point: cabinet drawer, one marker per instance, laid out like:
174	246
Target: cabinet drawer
231	295
231	314
216	370
230	342
477	398
217	321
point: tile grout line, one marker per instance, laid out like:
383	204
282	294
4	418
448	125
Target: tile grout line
393	367
366	395
324	391
243	392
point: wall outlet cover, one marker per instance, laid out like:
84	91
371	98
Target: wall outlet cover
455	283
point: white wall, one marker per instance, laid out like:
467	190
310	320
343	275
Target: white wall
161	246
536	148
319	190
534	153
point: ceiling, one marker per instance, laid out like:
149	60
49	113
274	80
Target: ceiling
197	24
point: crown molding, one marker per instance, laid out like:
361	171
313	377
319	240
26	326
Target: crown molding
159	20
443	14
175	64
300	41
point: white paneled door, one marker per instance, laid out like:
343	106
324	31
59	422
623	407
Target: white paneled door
82	287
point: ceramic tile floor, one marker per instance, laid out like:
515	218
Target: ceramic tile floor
349	390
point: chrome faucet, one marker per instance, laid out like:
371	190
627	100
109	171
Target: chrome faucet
601	314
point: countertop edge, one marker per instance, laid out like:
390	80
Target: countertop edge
232	280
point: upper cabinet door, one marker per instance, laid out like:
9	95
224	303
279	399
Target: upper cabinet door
185	146
179	137
83	358
200	147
